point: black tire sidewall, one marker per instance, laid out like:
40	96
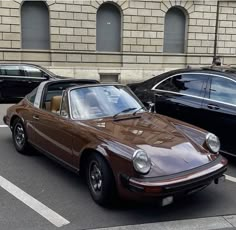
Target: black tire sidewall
24	147
107	194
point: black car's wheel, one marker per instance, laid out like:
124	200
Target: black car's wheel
100	180
19	137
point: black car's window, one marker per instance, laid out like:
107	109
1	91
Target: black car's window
11	71
33	72
223	90
190	84
31	96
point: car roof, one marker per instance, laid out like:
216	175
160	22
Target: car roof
78	81
225	71
95	85
45	84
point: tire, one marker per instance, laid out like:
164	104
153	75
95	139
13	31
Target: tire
100	180
19	137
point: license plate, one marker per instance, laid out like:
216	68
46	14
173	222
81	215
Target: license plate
167	200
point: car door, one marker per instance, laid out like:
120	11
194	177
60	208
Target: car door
180	96
220	110
52	133
34	76
12	84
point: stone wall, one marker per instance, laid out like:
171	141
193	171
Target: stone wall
73	37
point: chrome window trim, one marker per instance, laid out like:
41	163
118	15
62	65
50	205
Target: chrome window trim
38	97
208	74
182	94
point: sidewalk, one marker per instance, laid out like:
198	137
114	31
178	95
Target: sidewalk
209	223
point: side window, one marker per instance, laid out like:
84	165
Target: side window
11	71
33	72
64	111
31	96
190	84
223	90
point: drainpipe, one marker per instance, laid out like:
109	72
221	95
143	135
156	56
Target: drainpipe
216	29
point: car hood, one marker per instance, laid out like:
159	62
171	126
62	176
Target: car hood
169	149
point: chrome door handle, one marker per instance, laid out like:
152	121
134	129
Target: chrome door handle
215	107
35	117
158	95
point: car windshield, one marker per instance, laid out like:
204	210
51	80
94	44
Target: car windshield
102	101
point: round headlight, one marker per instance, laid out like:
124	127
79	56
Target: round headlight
213	142
141	162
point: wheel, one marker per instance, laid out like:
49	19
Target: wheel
100	180
19	137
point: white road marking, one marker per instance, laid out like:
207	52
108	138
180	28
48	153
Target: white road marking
230	178
37	206
3	126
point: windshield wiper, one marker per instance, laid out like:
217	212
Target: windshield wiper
124	111
143	107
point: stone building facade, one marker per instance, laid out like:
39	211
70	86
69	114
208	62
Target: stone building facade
73	30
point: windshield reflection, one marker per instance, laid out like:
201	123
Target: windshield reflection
102	101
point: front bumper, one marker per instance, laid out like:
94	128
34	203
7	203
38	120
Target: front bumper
174	185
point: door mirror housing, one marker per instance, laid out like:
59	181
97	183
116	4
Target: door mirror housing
45	75
150	106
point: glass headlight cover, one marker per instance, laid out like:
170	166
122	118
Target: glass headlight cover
141	161
213	142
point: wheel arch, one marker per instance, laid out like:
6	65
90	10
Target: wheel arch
13	119
84	156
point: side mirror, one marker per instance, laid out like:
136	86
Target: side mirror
150	106
46	76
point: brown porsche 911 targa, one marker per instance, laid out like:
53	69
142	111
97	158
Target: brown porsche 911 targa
105	132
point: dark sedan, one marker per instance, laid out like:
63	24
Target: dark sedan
17	80
205	97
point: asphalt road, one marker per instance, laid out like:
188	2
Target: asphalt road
67	195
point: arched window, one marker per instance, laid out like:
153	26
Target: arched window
108	28
35	25
175	26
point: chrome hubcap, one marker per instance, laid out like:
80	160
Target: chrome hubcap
95	177
19	135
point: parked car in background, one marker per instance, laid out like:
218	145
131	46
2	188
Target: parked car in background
105	132
205	97
17	80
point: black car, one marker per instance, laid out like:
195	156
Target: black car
17	80
205	97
